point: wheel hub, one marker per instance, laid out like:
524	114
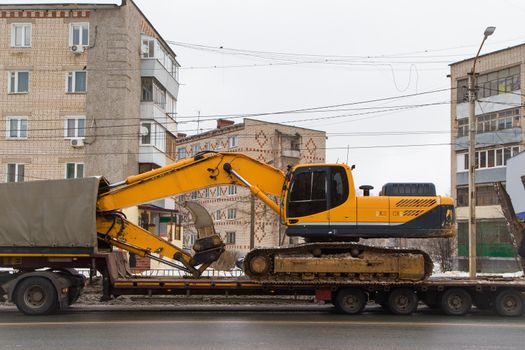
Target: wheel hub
34	296
259	264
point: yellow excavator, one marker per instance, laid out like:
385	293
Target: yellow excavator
315	201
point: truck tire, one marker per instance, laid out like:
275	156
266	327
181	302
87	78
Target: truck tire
402	301
36	296
456	302
509	302
350	301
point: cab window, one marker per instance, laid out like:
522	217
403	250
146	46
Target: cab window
338	186
307	194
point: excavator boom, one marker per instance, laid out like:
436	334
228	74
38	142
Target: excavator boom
204	170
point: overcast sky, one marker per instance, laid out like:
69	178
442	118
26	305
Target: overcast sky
344	52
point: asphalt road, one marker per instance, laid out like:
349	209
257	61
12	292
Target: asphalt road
263	327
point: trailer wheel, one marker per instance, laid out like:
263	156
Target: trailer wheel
509	302
402	301
36	296
350	301
456	302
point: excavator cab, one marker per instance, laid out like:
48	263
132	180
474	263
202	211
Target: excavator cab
319	200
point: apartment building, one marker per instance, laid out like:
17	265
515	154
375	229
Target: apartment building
87	89
244	222
499	136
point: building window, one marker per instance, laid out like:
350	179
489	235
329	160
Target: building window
147	90
462	127
232	141
15	172
159	96
18	82
153	92
232	214
490	158
181	153
74	170
206	193
148	48
485	195
21	35
207	146
76	82
75	127
153	134
219	193
218	215
16	128
171	105
491	122
196	149
230	237
79	34
194	195
500	82
145	134
232	190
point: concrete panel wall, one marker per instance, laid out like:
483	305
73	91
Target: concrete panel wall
113	101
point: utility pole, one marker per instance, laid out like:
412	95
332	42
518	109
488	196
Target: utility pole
472	90
252	222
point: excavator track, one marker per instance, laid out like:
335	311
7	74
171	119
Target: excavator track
336	263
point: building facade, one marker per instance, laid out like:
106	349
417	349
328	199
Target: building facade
244	222
499	136
86	90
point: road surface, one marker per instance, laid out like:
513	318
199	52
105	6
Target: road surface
248	328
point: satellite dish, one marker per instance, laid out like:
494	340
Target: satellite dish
144	131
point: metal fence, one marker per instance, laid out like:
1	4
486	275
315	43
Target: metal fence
209	273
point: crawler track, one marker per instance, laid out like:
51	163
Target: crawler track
336	263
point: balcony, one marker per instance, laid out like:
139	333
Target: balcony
151	154
499	137
149	110
490	104
483	176
151	67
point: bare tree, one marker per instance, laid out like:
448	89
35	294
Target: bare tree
443	251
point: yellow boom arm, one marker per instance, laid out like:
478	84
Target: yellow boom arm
204	170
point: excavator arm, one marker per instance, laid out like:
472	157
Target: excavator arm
206	169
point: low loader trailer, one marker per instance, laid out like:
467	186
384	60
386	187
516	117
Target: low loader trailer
47	282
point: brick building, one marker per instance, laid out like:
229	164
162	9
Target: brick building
87	89
231	206
499	136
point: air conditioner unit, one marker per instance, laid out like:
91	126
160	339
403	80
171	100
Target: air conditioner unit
77	143
78	49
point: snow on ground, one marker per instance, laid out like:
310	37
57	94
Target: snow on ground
463	274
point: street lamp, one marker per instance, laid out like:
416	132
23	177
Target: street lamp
472	159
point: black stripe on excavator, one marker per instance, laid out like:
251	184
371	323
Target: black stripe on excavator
433	223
